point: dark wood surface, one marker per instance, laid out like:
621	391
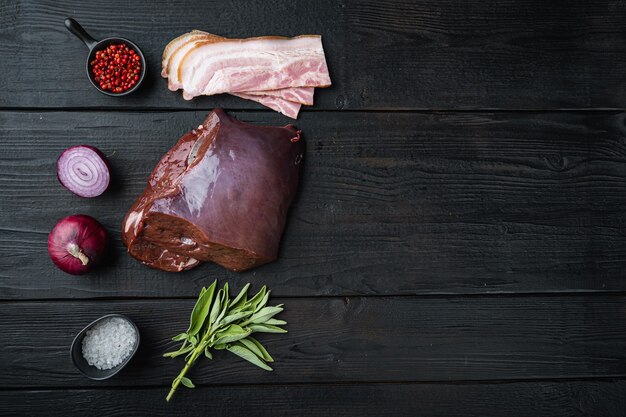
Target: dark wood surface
352	339
458	246
383	54
517	399
398	203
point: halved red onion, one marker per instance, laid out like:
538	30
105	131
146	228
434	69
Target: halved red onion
83	170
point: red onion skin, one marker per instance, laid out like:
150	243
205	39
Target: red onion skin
77	243
100	154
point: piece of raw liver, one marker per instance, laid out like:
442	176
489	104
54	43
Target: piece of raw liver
221	194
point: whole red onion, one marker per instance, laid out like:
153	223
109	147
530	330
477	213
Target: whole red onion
77	243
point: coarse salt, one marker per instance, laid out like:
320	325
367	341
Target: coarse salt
109	343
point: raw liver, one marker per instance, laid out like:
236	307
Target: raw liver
221	194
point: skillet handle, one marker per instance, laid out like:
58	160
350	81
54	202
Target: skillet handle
73	26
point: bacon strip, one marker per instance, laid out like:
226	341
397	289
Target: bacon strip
286	107
302	95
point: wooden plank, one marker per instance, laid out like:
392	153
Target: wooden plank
371	339
430	54
555	399
390	204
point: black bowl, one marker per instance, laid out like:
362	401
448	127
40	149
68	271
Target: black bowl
95	46
76	352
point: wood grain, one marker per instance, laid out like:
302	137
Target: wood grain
353	339
537	399
390	203
432	54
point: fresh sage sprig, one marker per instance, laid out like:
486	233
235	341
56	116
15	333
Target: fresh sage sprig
217	322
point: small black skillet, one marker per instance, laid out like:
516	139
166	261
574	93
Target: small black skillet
95	45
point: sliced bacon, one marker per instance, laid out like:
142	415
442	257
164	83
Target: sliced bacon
278	100
280	73
176	50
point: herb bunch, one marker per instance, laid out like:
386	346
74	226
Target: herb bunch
217	322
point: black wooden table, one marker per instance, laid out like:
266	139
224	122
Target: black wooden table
458	247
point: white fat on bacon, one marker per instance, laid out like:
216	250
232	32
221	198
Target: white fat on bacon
280	73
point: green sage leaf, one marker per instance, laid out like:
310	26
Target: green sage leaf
263	301
243	352
223	312
264	314
182	336
252	347
254	301
275	322
201	309
241	297
220	347
266	328
226	299
217	307
187	382
235	316
266	356
231	334
207	353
